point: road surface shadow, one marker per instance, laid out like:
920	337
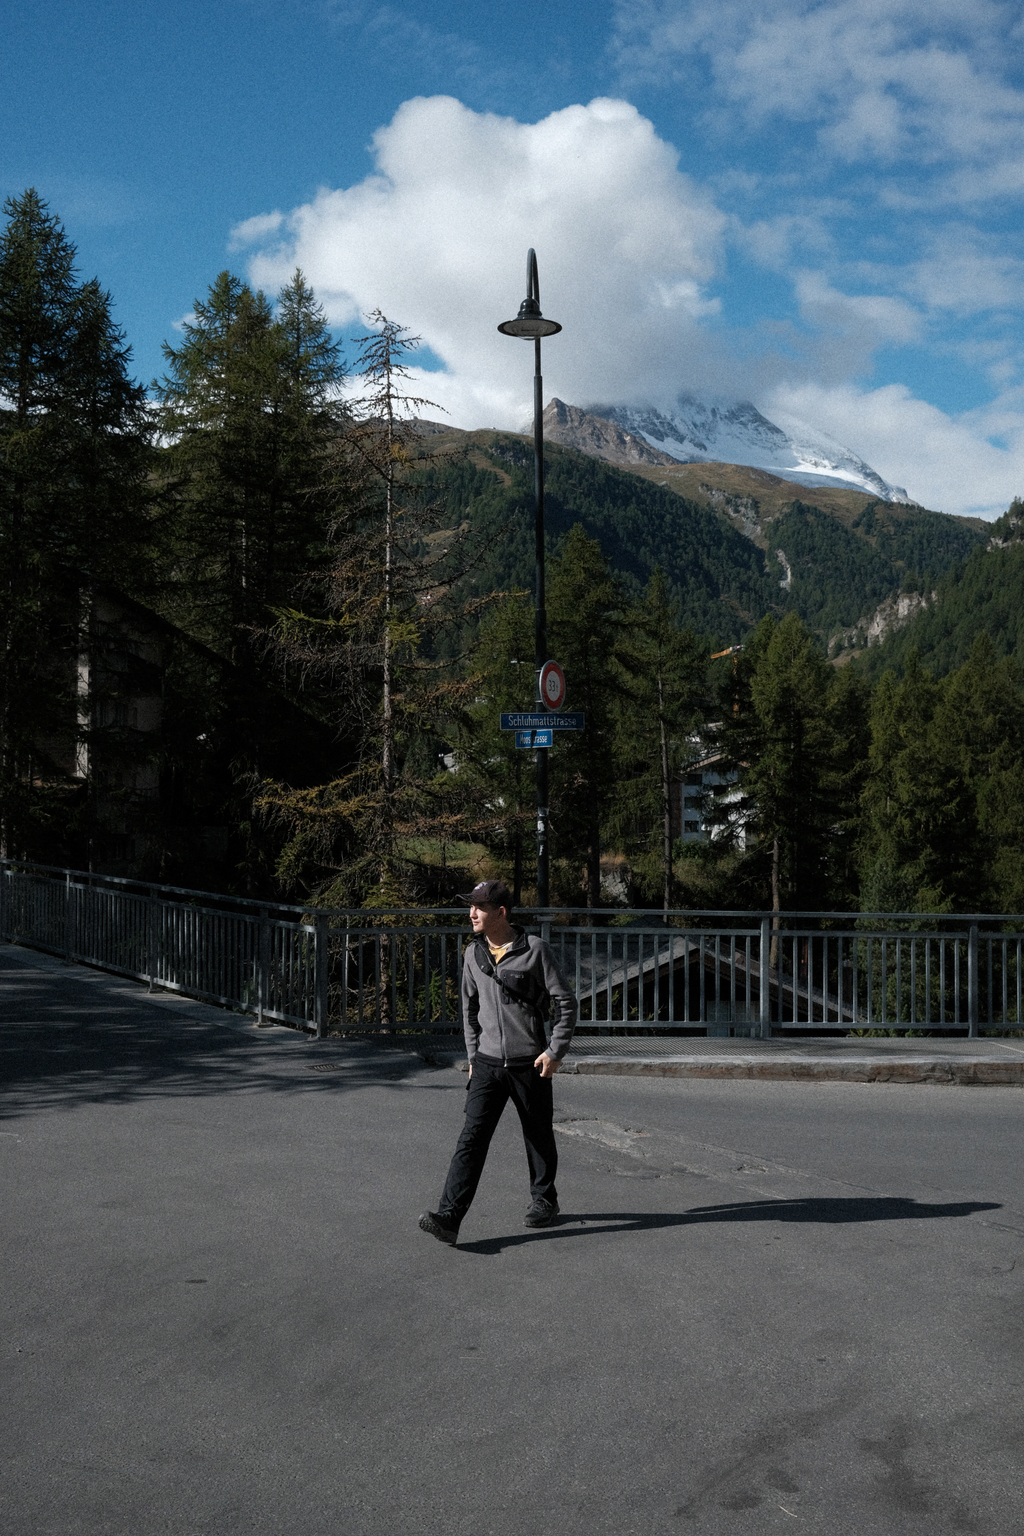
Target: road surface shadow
823	1211
66	1039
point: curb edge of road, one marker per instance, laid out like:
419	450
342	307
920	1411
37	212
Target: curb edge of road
1009	1074
954	1073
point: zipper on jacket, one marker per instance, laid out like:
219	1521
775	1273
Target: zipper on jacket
501	1017
501	997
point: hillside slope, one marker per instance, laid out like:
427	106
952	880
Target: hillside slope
718	575
752	498
842	556
985	593
734	543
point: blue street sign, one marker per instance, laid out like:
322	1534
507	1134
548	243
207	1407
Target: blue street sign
543	719
535	738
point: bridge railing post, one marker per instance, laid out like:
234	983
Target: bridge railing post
321	976
263	966
972	982
69	944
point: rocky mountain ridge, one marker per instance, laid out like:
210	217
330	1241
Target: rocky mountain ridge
730	432
598	436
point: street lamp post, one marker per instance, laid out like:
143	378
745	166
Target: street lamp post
530	325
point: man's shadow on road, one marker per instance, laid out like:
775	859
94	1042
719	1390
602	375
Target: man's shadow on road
829	1212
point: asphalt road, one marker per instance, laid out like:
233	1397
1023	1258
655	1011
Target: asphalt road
768	1306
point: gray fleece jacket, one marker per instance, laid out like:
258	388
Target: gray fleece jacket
498	1024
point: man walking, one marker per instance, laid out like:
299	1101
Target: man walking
509	979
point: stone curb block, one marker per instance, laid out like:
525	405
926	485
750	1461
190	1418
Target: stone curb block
965	1073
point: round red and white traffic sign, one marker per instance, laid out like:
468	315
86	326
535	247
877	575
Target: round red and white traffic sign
552	685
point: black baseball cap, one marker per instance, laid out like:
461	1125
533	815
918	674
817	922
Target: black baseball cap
489	893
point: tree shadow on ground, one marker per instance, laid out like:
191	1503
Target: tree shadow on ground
70	1037
822	1211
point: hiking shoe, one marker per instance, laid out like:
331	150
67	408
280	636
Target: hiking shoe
541	1213
438	1227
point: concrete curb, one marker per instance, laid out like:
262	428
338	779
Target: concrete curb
949	1071
927	1070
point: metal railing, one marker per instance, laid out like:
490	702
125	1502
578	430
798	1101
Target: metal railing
634	972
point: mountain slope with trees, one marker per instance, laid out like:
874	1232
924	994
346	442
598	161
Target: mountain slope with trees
728	560
982	595
716	574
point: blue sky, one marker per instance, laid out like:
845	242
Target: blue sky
816	206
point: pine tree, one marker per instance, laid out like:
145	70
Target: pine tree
979	730
663	671
496	776
369	632
793	735
585	628
74	457
921	843
250	408
848	717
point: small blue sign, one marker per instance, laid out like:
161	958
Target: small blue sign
535	738
543	719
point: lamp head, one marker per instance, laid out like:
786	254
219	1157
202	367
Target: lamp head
530	324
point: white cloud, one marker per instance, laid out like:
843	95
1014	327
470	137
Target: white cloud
629	248
383	33
863	321
966	275
884	81
775	242
946	463
250	231
437	239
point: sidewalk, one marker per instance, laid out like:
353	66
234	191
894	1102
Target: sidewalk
854	1060
814	1059
991	1062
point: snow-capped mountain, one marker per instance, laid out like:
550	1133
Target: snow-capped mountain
699	431
597	436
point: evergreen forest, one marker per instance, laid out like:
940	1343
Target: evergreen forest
261	615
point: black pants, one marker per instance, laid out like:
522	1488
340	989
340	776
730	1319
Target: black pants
490	1088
